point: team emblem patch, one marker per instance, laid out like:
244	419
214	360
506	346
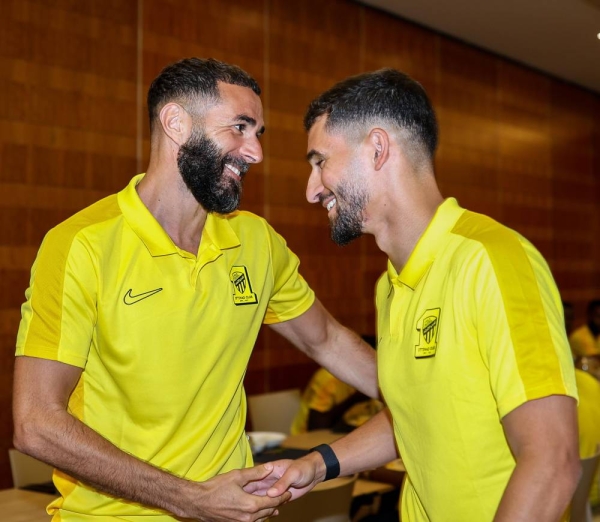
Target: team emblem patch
242	287
428	327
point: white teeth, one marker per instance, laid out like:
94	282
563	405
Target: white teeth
233	169
330	204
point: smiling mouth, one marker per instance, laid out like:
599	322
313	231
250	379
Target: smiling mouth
234	170
331	204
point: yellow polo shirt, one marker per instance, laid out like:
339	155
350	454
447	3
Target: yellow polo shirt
163	336
469	330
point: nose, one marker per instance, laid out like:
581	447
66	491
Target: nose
252	151
314	188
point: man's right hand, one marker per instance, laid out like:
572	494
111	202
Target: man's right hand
224	498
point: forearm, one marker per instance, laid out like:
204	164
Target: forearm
537	492
368	447
351	360
334	347
45	429
63	441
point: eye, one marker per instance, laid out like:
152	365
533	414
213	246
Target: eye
240	127
320	163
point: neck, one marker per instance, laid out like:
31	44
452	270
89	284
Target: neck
407	213
172	204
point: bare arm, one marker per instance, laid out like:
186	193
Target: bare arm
334	347
542	435
45	430
370	446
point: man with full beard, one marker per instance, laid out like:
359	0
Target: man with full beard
142	313
473	359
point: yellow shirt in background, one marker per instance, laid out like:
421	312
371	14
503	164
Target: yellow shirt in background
588	416
323	392
583	342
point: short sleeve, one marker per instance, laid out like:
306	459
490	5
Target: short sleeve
519	324
58	317
291	295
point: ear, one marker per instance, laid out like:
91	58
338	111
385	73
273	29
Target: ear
176	123
379	142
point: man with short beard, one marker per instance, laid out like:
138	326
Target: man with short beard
473	359
142	313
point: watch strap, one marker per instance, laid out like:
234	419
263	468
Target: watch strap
332	464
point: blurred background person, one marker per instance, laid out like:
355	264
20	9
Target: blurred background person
328	403
585	339
588	408
588	420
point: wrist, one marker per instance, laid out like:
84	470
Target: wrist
182	494
318	464
330	466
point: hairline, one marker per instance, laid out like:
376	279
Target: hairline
355	129
204	102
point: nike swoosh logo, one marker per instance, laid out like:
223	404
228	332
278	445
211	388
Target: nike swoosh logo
130	299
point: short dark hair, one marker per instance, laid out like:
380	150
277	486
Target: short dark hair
385	94
194	77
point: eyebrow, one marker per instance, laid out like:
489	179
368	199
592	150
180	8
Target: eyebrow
250	121
314	153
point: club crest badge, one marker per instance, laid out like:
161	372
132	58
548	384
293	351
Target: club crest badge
242	288
428	327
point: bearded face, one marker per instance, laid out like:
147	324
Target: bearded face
213	178
347	224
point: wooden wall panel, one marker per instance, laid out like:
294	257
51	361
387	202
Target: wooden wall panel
576	188
524	155
514	144
67	137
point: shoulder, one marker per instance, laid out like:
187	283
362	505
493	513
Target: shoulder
486	241
483	232
96	215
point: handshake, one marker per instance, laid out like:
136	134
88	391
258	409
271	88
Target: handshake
254	494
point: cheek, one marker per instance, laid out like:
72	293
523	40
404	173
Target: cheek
330	177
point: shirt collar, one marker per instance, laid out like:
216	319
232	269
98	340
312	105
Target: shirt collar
428	245
217	230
